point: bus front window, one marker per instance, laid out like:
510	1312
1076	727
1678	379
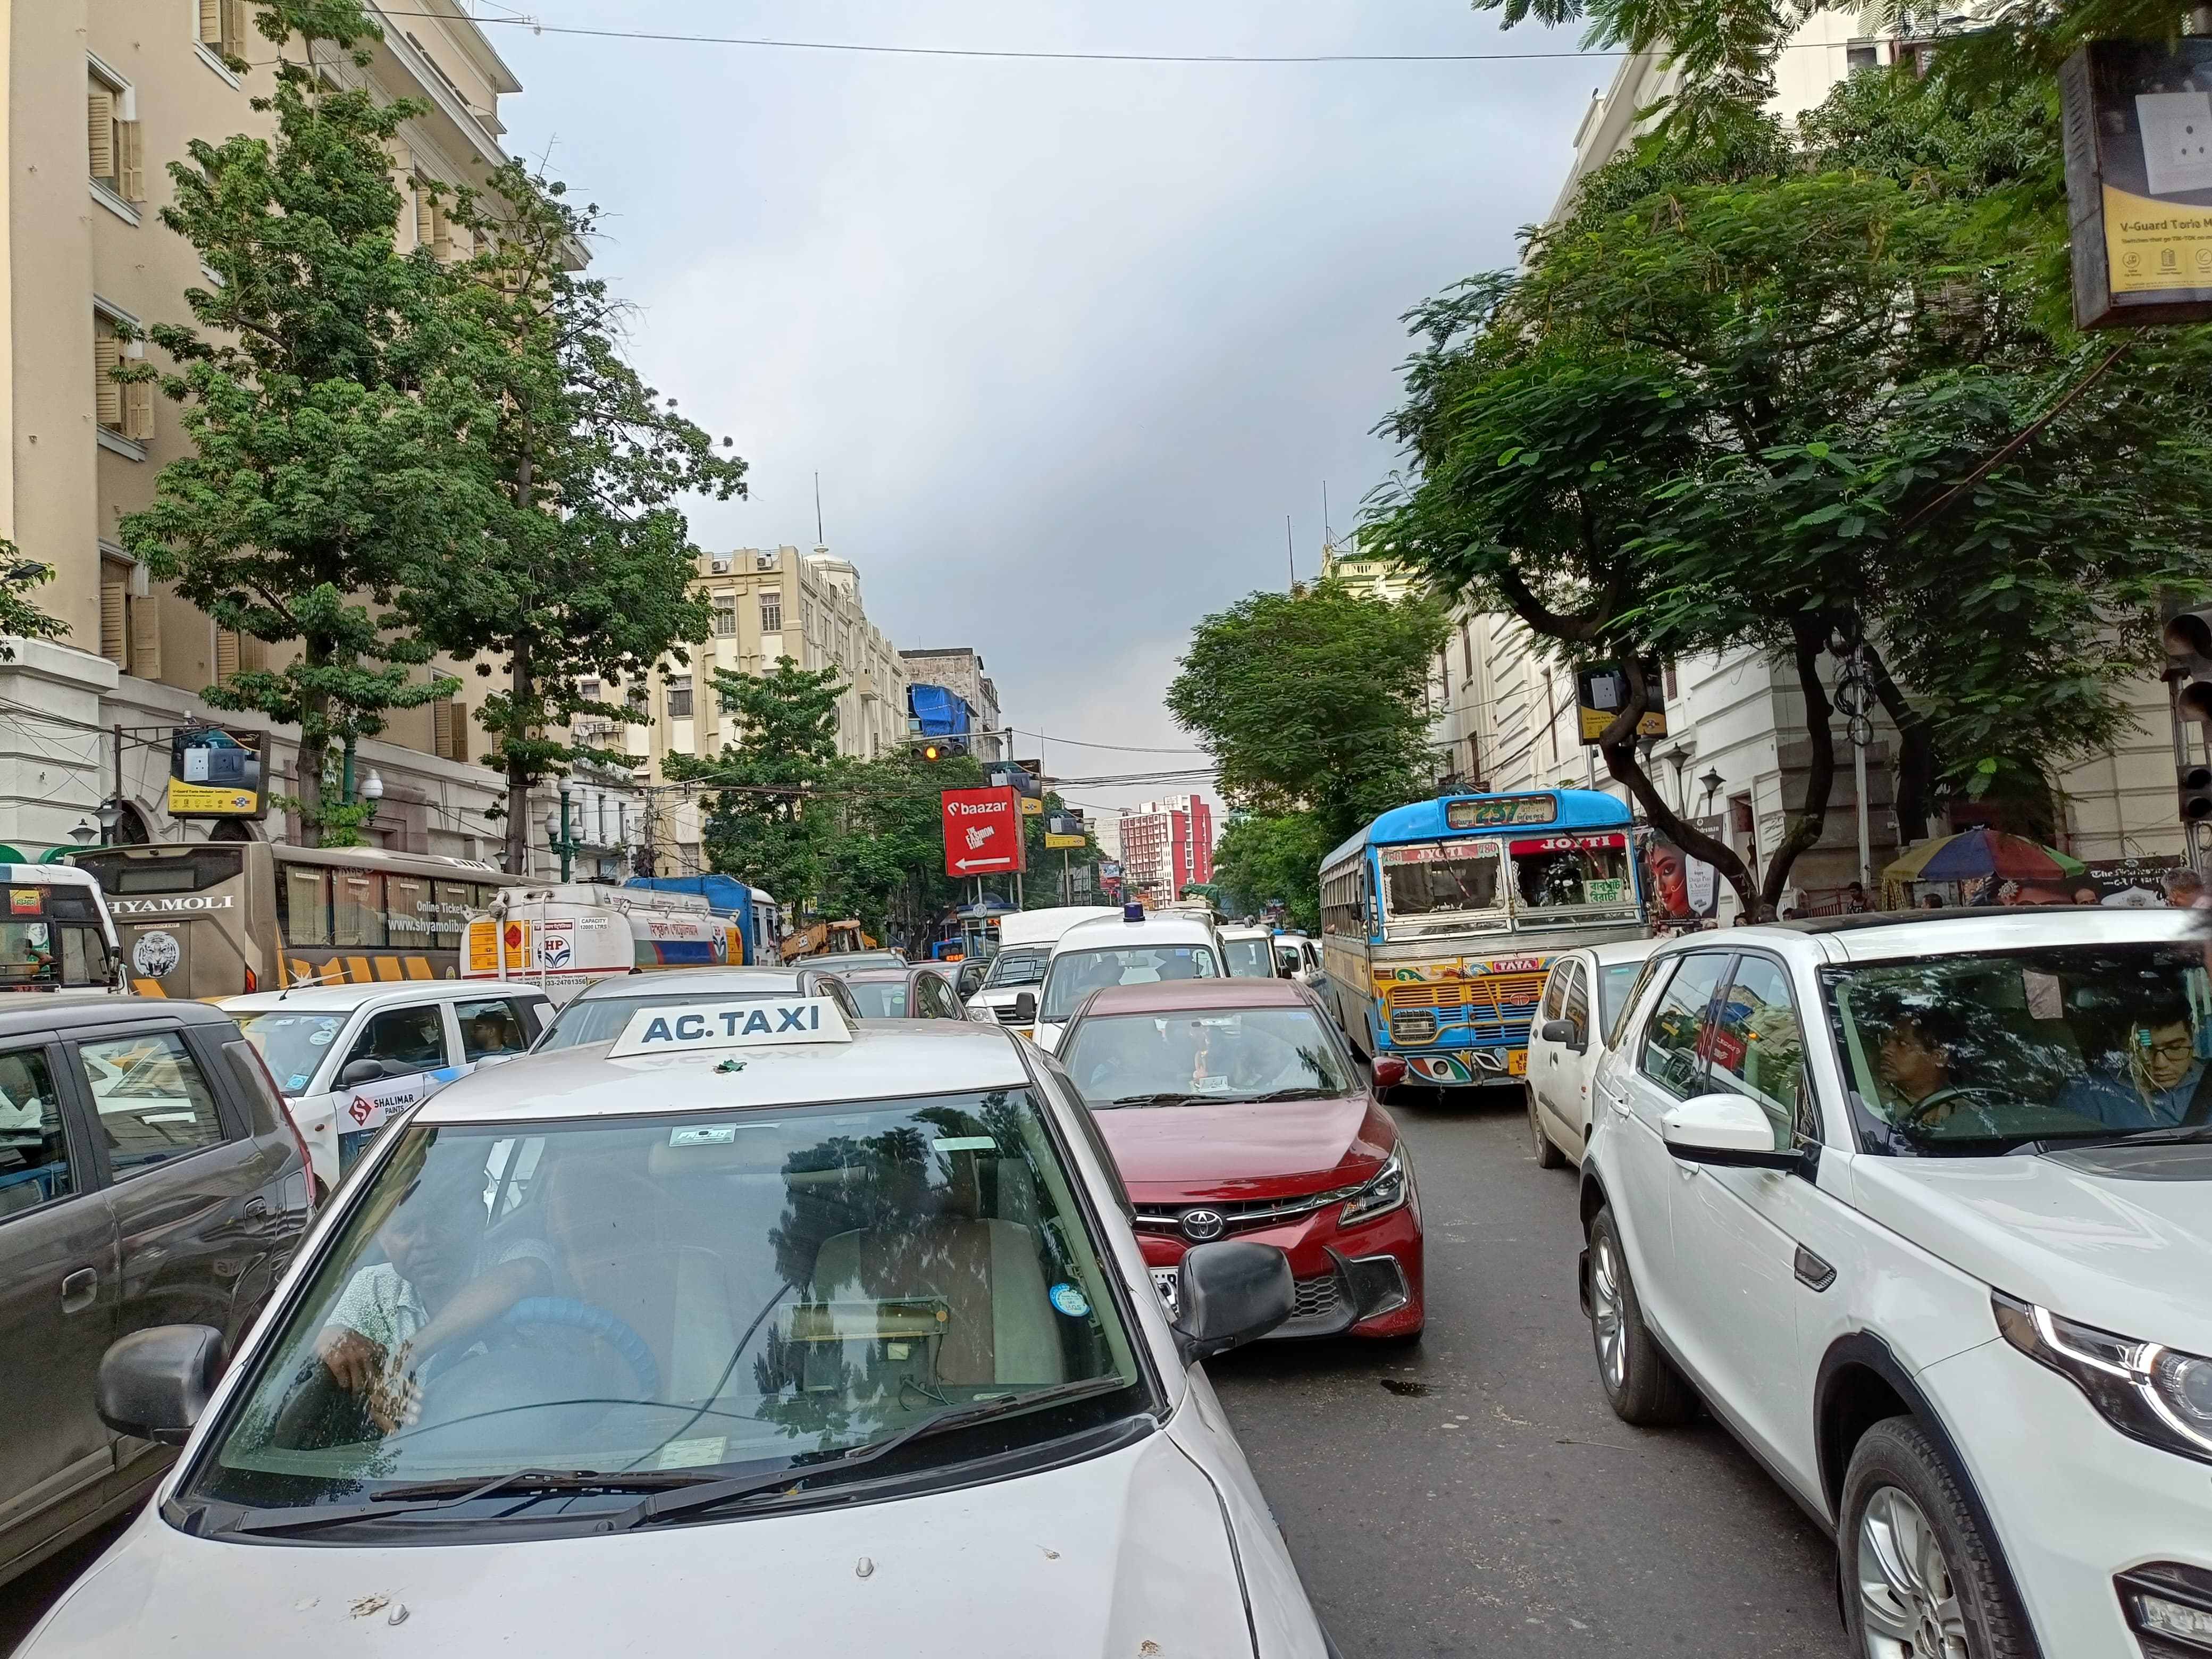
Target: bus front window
1562	872
1442	878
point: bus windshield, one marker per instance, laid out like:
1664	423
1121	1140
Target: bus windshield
51	940
1451	878
1555	873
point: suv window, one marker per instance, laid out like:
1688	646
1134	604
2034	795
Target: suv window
1672	1057
411	1039
34	1159
1756	1043
152	1100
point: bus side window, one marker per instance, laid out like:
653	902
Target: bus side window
358	902
306	905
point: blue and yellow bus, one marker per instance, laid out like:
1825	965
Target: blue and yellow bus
1438	919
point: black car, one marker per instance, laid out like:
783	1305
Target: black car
150	1175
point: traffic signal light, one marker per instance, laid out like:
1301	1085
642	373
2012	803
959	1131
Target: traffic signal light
2187	637
2196	793
932	752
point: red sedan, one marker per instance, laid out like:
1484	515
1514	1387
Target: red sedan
1235	1111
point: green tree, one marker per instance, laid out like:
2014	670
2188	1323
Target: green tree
19	618
1261	859
584	572
885	865
769	814
1735	399
334	448
1313	700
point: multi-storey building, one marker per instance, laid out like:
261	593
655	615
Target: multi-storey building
1369	574
768	603
1167	845
1737	752
959	669
101	96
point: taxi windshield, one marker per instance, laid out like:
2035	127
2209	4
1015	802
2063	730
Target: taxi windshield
293	1043
651	1302
1204	1055
1075	975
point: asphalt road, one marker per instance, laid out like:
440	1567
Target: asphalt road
1474	1495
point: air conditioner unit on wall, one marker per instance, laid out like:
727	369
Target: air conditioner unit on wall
719	567
764	561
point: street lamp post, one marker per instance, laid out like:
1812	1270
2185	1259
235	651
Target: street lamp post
1854	697
558	838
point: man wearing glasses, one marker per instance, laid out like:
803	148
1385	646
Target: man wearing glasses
2161	1082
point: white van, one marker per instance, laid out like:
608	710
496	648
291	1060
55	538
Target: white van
346	1057
1125	948
1026	942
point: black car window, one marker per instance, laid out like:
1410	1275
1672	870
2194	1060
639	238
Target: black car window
34	1155
1674	1052
1756	1043
152	1100
404	1039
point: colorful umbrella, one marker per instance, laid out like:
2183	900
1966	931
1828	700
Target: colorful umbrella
1978	853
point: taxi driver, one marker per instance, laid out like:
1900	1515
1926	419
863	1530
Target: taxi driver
442	1280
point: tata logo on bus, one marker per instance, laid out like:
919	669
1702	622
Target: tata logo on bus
173	905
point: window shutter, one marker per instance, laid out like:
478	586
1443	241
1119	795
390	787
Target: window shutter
226	655
426	215
236	26
108	396
100	129
130	161
146	637
252	655
138	411
211	22
113	591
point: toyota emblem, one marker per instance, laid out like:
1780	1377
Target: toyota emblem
1199	1225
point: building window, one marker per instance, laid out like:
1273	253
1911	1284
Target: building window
1862	54
725	617
449	729
433	229
1466	649
116	154
130	621
679	700
123	411
238	654
588	690
1672	685
225	27
771	601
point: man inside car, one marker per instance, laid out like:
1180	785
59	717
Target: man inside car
2161	1079
442	1280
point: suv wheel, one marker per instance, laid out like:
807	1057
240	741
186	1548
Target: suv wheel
1548	1156
1641	1383
1919	1578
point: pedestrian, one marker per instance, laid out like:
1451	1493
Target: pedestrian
1856	902
2184	889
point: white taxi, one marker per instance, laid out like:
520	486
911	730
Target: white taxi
749	1326
1130	948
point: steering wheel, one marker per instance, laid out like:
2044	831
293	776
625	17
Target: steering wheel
1952	1098
597	1321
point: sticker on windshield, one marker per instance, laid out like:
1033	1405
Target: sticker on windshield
690	1454
1069	1300
321	1037
707	1134
298	1082
966	1143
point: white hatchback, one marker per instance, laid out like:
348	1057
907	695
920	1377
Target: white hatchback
749	1329
1583	995
1922	1206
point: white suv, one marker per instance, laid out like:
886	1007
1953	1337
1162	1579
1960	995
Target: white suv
1923	1209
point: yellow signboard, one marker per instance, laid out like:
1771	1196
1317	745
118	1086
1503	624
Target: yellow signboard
2155	247
1051	840
2137	120
484	947
1031	806
217	773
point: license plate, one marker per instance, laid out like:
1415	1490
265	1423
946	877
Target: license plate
1516	1062
1167	1284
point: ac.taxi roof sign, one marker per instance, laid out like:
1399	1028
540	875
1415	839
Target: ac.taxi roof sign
763	1022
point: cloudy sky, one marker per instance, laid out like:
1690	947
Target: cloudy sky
1064	341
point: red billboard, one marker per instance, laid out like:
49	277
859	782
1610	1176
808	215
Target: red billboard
983	832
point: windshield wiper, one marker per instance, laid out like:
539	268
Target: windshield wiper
1298	1094
424	1495
707	1494
1170	1098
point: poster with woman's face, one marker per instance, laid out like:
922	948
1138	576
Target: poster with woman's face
1681	888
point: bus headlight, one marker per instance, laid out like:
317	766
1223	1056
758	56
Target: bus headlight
1413	1026
1387	1191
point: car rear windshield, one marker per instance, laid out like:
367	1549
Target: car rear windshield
880	998
1075	975
653	1300
1248	958
1231	1053
1979	1054
1011	968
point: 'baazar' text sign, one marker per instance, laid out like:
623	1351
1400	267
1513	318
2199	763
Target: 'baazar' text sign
983	832
763	1022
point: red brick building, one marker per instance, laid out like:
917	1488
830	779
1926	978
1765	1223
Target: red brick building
1167	845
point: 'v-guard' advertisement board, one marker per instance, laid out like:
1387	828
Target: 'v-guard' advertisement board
2139	181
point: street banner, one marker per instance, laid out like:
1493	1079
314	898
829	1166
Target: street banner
1680	888
214	774
983	832
2138	135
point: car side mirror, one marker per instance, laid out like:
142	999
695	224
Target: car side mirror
1025	1009
1725	1130
1389	1070
154	1383
1563	1032
361	1071
1231	1291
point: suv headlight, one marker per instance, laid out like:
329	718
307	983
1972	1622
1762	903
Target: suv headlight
2145	1389
1387	1191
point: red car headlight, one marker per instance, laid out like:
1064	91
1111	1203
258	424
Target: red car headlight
1392	1185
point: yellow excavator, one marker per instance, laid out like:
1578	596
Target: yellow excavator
826	938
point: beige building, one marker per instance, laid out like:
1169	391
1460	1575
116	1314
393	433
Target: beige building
102	95
768	603
1737	750
1369	575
